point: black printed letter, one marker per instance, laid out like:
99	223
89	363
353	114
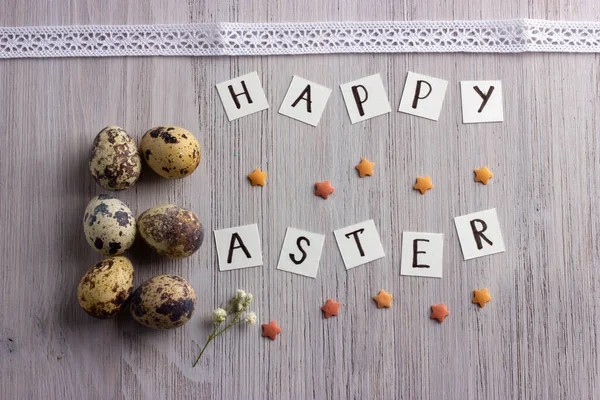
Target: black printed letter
299	244
416	251
418	93
358	100
478	235
235	95
357	240
306	92
235	237
485	97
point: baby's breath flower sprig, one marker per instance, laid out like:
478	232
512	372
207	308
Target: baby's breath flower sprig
235	311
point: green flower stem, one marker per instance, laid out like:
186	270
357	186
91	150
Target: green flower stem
215	332
210	338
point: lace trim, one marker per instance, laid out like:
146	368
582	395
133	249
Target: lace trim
237	39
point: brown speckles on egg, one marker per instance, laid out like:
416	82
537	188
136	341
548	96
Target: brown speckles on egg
115	162
122	218
109	225
175	151
171	230
114	247
171	306
105	287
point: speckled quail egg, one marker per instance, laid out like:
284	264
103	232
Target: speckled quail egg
115	162
163	302
171	151
109	225
171	230
105	287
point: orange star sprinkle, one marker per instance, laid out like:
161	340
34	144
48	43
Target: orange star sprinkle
423	184
331	308
257	177
483	175
439	312
365	167
323	189
383	299
481	297
271	330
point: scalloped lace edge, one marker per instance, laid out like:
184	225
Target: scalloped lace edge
243	39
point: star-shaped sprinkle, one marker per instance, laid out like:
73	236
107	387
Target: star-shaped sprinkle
483	175
271	330
423	184
481	297
331	308
439	312
257	177
383	299
365	167
323	189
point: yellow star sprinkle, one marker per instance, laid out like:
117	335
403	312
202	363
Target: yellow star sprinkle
481	297
483	175
258	177
383	299
365	167
423	184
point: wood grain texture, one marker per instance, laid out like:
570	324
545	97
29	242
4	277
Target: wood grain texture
537	339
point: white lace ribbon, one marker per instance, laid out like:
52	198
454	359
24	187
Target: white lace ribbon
240	39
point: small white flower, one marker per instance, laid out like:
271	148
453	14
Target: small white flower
251	318
241	294
249	297
219	315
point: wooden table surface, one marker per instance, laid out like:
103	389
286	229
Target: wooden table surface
538	338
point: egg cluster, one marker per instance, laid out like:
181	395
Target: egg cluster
164	301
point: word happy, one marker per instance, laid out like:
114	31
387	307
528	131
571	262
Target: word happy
422	253
365	98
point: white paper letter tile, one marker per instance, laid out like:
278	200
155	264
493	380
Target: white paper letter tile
359	244
238	247
301	252
365	98
422	254
423	96
305	101
479	234
481	101
242	96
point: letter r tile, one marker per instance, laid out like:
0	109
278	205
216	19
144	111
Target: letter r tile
479	234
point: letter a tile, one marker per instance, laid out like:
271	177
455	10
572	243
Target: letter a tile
238	247
305	101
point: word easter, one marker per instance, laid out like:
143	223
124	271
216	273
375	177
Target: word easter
365	98
479	235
